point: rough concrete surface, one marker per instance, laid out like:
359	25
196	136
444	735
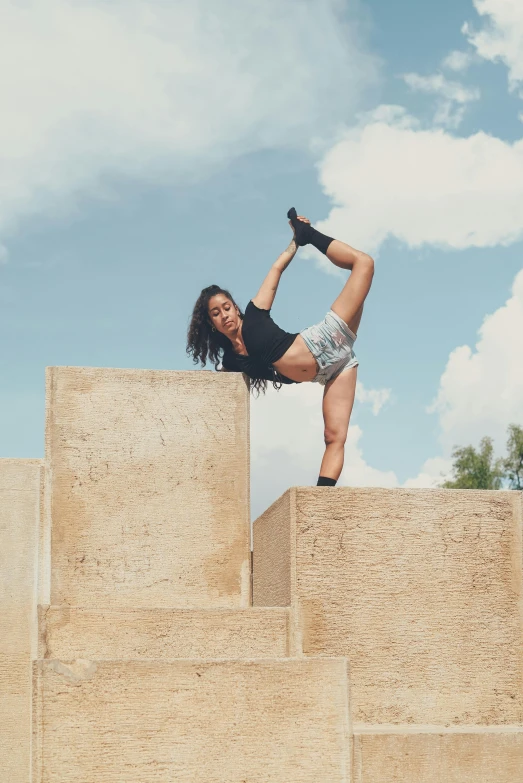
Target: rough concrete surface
141	514
68	633
186	721
420	589
19	518
439	756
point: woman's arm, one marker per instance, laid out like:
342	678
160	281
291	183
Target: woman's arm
265	296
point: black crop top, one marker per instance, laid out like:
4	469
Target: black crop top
265	343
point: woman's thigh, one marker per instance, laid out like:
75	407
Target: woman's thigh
338	400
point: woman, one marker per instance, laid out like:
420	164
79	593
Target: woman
252	343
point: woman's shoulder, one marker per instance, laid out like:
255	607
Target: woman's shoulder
253	311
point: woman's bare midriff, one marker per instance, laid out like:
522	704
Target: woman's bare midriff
298	363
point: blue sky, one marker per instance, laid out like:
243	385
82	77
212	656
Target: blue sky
156	150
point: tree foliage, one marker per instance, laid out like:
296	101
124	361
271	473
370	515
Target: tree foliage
479	469
513	464
476	469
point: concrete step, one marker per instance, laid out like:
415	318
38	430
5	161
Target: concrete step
186	721
20	481
68	633
438	754
140	511
420	590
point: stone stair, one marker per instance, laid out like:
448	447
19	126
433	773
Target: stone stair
422	591
67	633
187	720
149	662
376	637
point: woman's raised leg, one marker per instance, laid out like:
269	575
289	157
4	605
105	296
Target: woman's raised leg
349	304
338	400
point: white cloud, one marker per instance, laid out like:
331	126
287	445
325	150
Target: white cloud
432	474
4	255
452	96
292	417
457	61
356	471
481	389
93	90
437	84
288	419
501	37
287	442
376	397
480	393
389	177
287	446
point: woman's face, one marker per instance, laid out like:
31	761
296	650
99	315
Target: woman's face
224	315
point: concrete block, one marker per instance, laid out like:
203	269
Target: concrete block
148	488
68	633
420	589
20	482
186	721
439	755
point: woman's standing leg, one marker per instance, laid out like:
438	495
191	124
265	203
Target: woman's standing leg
339	394
338	399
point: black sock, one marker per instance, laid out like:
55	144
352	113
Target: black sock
307	235
323	481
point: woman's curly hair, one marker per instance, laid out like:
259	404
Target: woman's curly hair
203	343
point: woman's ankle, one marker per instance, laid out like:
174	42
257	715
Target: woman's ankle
325	481
305	234
320	241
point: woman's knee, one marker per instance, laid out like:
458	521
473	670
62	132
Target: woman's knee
367	262
333	436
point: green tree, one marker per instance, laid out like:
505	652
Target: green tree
513	464
476	469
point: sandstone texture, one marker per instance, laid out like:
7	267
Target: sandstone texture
20	482
420	589
130	634
140	513
186	721
439	756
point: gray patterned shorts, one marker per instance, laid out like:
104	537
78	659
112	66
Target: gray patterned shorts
331	343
